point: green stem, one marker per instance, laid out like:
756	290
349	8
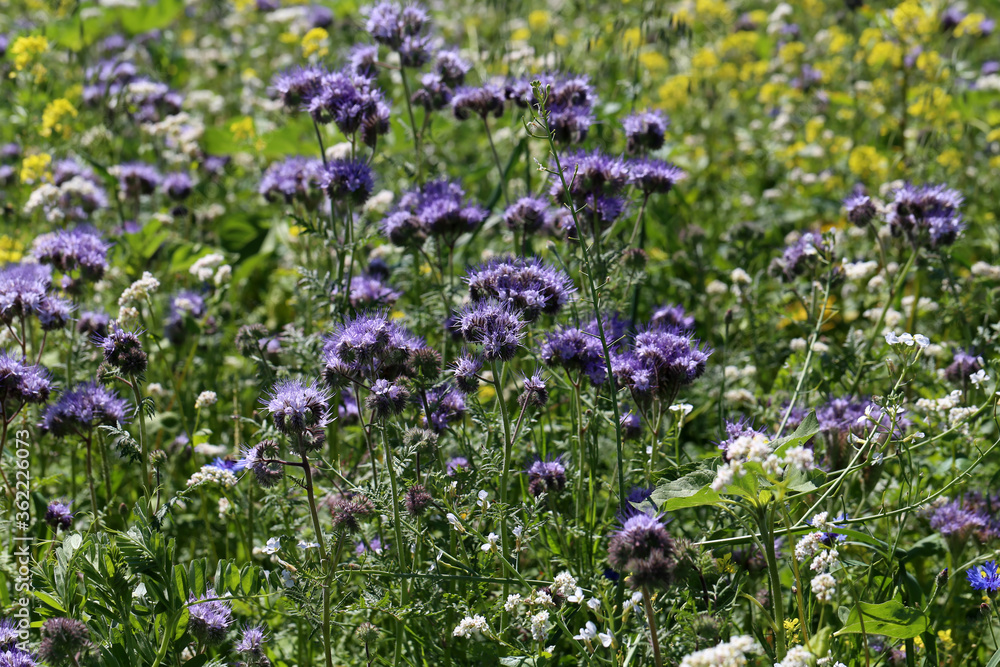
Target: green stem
143	443
507	447
400	550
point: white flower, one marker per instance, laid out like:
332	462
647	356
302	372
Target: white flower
587	632
633	602
513	602
453	520
978	378
594	603
483	502
740	277
921	340
204	268
891	338
824	587
564	583
139	290
808	546
286	579
797	656
273	546
906	339
471	626
606	638
683	408
155	389
223	275
825	561
727	654
224	506
307	545
575	596
205	399
540	625
491	543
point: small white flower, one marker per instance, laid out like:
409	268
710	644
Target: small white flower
587	632
684	408
891	338
286	579
454	521
921	340
978	378
906	339
471	626
594	603
205	399
606	638
483	502
308	545
513	602
272	546
491	543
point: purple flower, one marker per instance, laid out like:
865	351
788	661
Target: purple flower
643	547
391	24
123	350
15	657
294	179
8	634
348	410
257	459
672	315
368	291
346	99
251	646
297	85
645	130
350	180
963	364
569	104
53	313
446	406
23	289
660	361
59	515
496	326
483	101
466	373
456	465
654	176
800	255
589	174
546	476
860	209
535	393
209	620
580	350
136	178
436	209
177	185
927	215
985	578
451	67
740	428
363	59
953	520
88	405
433	92
22	383
295	407
525	283
631	425
528	214
369	344
386	399
67	250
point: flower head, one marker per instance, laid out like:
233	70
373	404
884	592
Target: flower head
88	405
209	621
123	350
546	476
496	326
643	547
295	407
525	283
59	516
348	180
645	130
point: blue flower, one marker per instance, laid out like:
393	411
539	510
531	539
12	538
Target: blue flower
985	577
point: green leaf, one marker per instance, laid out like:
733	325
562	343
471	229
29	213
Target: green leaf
891	619
50	601
995	660
807	429
691	490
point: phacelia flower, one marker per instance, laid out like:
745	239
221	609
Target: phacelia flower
123	350
643	548
295	407
386	399
351	181
59	515
71	249
251	646
546	477
417	500
525	283
483	101
860	209
136	178
21	382
535	393
87	406
447	407
177	185
928	215
645	130
654	176
209	621
528	214
294	179
496	326
65	641
435	209
23	289
466	373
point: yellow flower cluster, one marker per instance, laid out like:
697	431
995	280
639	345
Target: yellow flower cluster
11	250
56	112
34	167
26	49
243	129
315	43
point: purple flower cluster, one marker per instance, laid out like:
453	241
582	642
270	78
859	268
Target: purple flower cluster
546	476
798	257
672	315
123	350
21	383
570	103
12	655
436	209
645	130
371	291
654	176
530	214
24	291
445	406
59	515
403	29
525	283
370	346
209	618
861	210
87	406
963	364
349	181
643	548
296	407
956	521
497	327
579	350
482	101
927	215
437	87
177	185
136	178
251	646
295	179
659	362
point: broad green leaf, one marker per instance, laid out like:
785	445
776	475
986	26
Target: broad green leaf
50	601
891	619
691	490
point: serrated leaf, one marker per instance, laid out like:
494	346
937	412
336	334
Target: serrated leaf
891	619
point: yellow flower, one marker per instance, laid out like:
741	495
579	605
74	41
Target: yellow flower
34	167
791	52
994	135
885	52
726	564
315	43
738	44
866	163
653	61
539	20
631	39
243	129
911	20
704	60
713	9
520	35
674	92
950	159
52	118
486	393
792	631
813	127
970	25
11	250
243	5
25	49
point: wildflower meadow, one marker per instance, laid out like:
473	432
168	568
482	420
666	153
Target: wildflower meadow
650	333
